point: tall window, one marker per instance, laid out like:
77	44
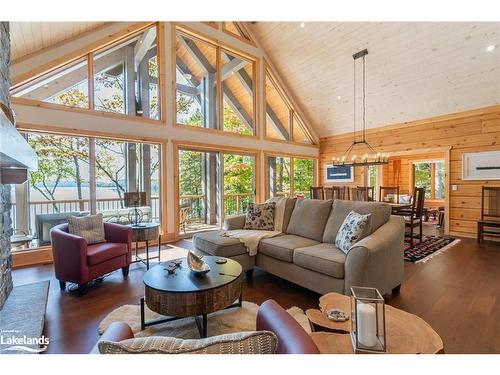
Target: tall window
126	76
303	176
62	184
277	112
196	82
67	86
430	175
239	187
202	67
233	28
125	79
373	178
279	176
237	93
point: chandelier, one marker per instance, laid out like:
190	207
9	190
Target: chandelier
367	155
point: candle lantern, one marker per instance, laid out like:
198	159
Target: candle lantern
367	320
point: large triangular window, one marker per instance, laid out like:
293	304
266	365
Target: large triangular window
282	120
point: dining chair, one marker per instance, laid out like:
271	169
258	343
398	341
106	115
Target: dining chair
317	192
490	213
363	193
328	192
385	192
413	216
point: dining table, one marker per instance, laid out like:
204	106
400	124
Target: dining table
396	207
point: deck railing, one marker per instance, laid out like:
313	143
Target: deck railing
77	205
234	204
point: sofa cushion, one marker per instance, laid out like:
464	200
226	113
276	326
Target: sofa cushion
90	228
380	214
213	243
287	211
262	342
260	216
309	218
323	258
281	247
352	230
102	252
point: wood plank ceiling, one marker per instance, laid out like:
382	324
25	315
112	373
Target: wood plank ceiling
414	70
31	37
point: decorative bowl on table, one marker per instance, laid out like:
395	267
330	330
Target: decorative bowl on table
196	264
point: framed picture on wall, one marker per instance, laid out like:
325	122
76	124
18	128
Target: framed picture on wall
481	166
335	173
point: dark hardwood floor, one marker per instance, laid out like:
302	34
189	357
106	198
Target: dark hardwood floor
457	293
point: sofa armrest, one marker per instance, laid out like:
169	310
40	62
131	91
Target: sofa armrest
117	233
116	331
70	255
377	260
235	222
292	338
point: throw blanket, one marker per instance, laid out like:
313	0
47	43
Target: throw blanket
251	238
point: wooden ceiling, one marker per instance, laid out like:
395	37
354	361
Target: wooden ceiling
31	37
414	70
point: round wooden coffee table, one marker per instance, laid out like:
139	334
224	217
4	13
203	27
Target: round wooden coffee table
406	333
183	294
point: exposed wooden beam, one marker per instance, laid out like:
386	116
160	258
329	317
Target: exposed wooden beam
237	107
143	45
232	67
195	52
188	90
275	121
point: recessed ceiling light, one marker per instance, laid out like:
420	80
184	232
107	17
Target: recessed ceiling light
490	48
339	97
302	24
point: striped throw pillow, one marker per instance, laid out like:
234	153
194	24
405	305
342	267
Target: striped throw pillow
90	228
262	342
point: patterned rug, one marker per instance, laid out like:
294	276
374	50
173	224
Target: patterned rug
428	248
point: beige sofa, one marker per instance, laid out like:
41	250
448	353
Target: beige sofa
305	253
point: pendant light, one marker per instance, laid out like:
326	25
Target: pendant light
367	155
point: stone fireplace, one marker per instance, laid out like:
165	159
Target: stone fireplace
5	221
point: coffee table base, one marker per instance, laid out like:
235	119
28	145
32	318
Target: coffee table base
201	325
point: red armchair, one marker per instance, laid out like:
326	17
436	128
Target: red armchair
79	263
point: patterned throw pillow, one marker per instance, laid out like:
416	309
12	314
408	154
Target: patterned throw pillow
262	342
260	216
90	228
351	230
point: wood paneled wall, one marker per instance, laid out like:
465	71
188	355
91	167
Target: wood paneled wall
470	131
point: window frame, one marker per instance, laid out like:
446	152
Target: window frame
220	46
88	55
292	170
292	112
432	176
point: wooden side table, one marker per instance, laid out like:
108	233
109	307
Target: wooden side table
145	232
406	333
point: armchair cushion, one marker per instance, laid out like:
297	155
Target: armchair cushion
234	343
101	252
90	228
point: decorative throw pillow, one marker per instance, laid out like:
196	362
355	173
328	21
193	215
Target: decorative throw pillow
260	216
262	342
90	228
351	230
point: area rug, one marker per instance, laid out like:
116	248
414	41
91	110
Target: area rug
222	322
428	248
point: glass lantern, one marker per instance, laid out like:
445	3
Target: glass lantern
367	320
